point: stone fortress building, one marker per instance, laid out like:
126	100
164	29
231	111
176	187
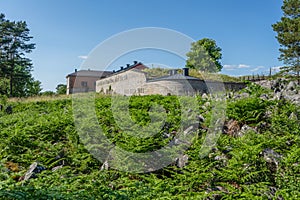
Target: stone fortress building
133	81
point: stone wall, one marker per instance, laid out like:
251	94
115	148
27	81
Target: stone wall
134	82
126	83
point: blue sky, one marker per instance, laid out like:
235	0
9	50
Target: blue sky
65	31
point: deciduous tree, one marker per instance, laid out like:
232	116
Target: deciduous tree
204	55
61	89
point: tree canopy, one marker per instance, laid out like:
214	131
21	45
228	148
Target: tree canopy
205	56
15	67
288	36
61	89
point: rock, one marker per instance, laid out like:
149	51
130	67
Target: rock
230	95
105	166
272	158
9	110
271	194
231	128
57	168
227	149
201	118
245	128
204	96
207	104
293	116
241	96
166	135
276	83
264	97
276	90
278	96
182	161
221	158
268	114
265	83
291	86
262	126
245	95
189	130
34	169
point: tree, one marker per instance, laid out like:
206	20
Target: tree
61	89
205	55
34	88
14	44
288	36
48	93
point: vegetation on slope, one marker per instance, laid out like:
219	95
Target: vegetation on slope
43	131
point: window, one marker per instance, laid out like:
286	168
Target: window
140	90
83	83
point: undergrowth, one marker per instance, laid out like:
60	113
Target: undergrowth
44	132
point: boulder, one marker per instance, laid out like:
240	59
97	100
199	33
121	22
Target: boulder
57	168
264	97
182	161
293	116
204	96
231	127
105	166
9	110
34	169
245	128
291	86
201	118
207	104
272	158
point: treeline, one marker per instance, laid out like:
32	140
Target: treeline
16	79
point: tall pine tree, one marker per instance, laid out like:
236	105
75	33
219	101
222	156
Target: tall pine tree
14	65
288	36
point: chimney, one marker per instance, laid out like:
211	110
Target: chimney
185	71
128	65
75	70
122	67
135	62
172	72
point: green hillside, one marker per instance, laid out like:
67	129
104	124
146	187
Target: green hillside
259	163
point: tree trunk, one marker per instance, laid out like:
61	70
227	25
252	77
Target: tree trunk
298	76
11	85
11	76
298	69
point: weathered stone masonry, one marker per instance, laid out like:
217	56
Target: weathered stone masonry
134	82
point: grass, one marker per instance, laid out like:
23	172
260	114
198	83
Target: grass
158	72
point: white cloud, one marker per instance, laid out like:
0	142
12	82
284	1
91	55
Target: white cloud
276	69
83	57
257	68
233	67
243	66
